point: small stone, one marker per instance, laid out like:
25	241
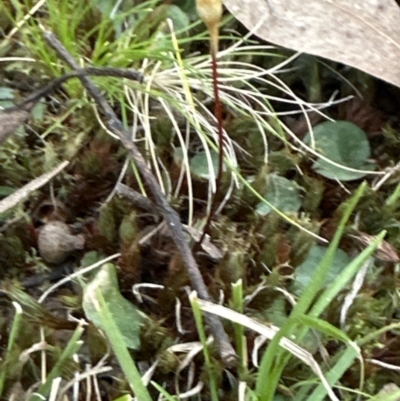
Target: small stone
56	242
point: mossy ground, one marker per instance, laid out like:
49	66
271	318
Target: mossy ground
263	251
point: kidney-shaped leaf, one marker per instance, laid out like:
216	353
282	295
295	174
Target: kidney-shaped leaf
361	33
281	193
305	272
344	143
200	165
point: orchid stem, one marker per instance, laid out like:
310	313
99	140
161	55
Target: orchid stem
211	12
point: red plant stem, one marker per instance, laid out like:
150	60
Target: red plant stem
228	354
220	132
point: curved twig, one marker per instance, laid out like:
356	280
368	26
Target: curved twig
227	352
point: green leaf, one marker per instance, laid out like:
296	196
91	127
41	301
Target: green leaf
6	97
107	223
324	327
5	190
344	143
154	26
38	111
188	6
90	258
118	345
128	230
179	18
6	93
124	313
305	272
199	165
281	193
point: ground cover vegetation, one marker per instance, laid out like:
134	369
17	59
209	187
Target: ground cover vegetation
110	154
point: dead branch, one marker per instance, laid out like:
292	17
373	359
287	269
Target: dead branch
227	352
12	117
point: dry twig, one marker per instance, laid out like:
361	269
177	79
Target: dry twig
22	193
12	117
227	352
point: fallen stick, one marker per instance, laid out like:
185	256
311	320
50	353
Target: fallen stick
12	117
21	193
171	217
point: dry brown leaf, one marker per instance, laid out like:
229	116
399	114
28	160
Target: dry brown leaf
385	251
360	33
